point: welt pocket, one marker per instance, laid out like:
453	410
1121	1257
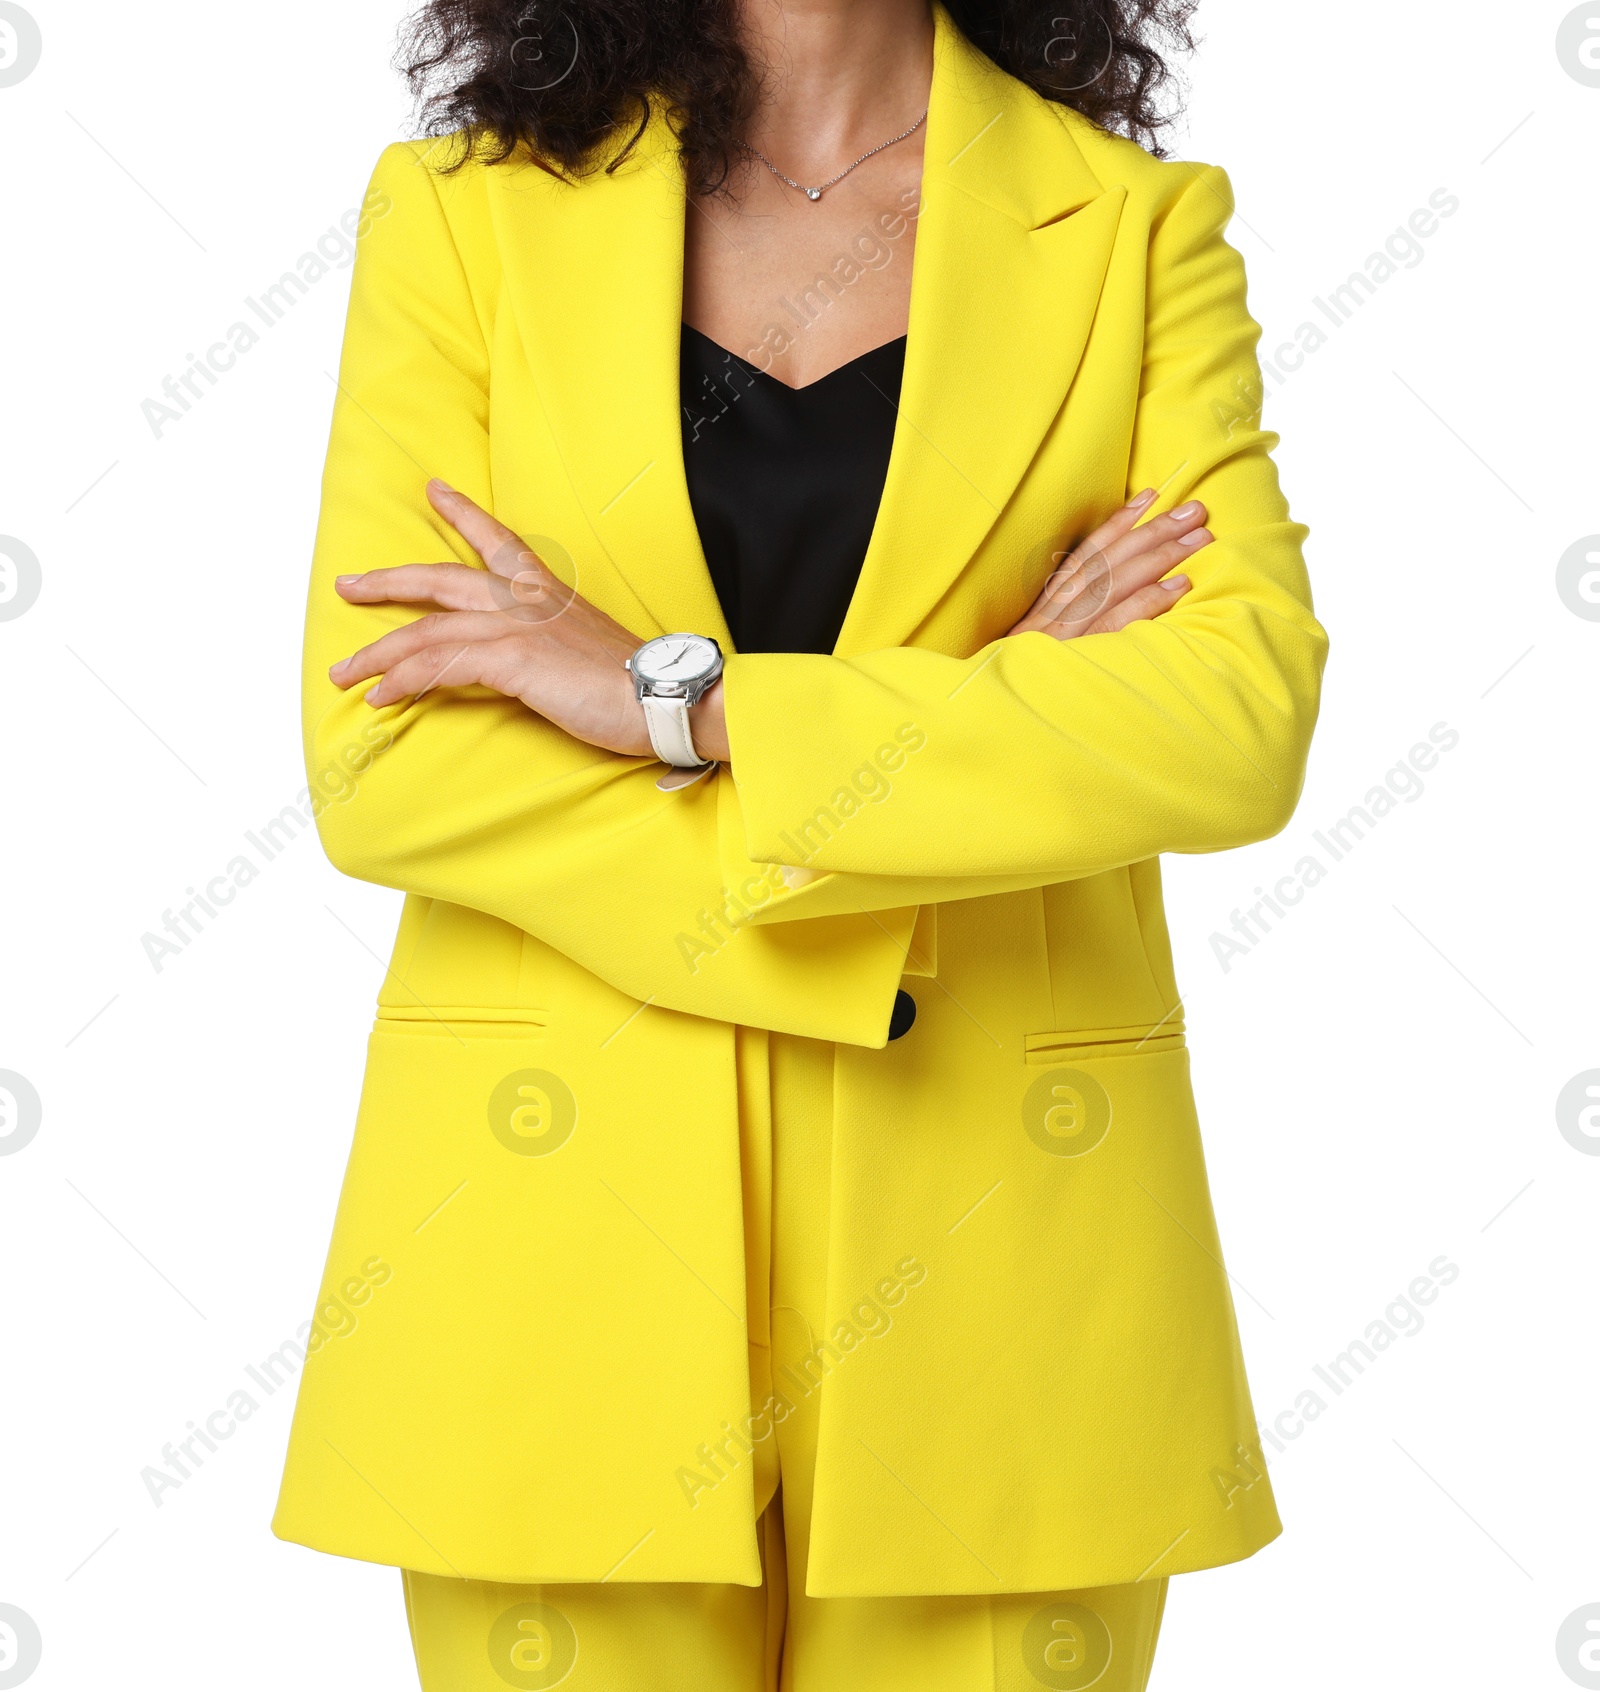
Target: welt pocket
503	1022
1140	1040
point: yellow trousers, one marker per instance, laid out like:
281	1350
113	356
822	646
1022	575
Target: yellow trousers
613	1636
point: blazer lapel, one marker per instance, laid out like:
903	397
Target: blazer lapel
1013	242
594	272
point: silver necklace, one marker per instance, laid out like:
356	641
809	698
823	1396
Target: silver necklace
814	194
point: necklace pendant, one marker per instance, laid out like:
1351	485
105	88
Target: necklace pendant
813	193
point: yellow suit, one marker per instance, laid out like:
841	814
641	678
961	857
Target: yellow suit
531	1315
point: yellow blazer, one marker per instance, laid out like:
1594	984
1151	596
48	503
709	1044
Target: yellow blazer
518	1358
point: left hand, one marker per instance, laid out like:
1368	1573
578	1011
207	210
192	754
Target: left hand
514	627
1118	574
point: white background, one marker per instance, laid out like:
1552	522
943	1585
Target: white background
1378	1075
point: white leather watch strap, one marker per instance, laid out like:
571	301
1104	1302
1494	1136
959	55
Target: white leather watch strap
668	723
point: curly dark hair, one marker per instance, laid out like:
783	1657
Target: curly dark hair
565	78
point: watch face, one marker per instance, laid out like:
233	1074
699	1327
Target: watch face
676	660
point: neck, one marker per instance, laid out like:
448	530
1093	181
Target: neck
838	76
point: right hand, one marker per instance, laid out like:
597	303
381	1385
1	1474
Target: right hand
515	627
1114	577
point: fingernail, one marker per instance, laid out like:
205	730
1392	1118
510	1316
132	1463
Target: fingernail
1175	584
345	581
368	694
1141	499
1184	512
1195	537
334	669
441	486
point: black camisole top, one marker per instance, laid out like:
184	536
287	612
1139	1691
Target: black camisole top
785	484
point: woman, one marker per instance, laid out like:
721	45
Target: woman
776	1241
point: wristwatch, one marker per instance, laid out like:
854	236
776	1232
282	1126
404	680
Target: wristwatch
671	673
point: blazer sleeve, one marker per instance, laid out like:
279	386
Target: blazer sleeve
1036	760
466	796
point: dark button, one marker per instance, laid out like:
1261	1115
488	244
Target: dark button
903	1014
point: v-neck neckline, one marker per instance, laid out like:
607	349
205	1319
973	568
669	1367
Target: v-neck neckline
805	387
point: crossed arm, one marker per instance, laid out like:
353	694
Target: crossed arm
1125	715
515	627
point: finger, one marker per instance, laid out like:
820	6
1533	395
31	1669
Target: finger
503	550
399	644
1161	530
1077	592
1143	606
1088	571
1122	519
533	596
450	663
1124	535
1081	596
1118	524
1133	575
454	587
